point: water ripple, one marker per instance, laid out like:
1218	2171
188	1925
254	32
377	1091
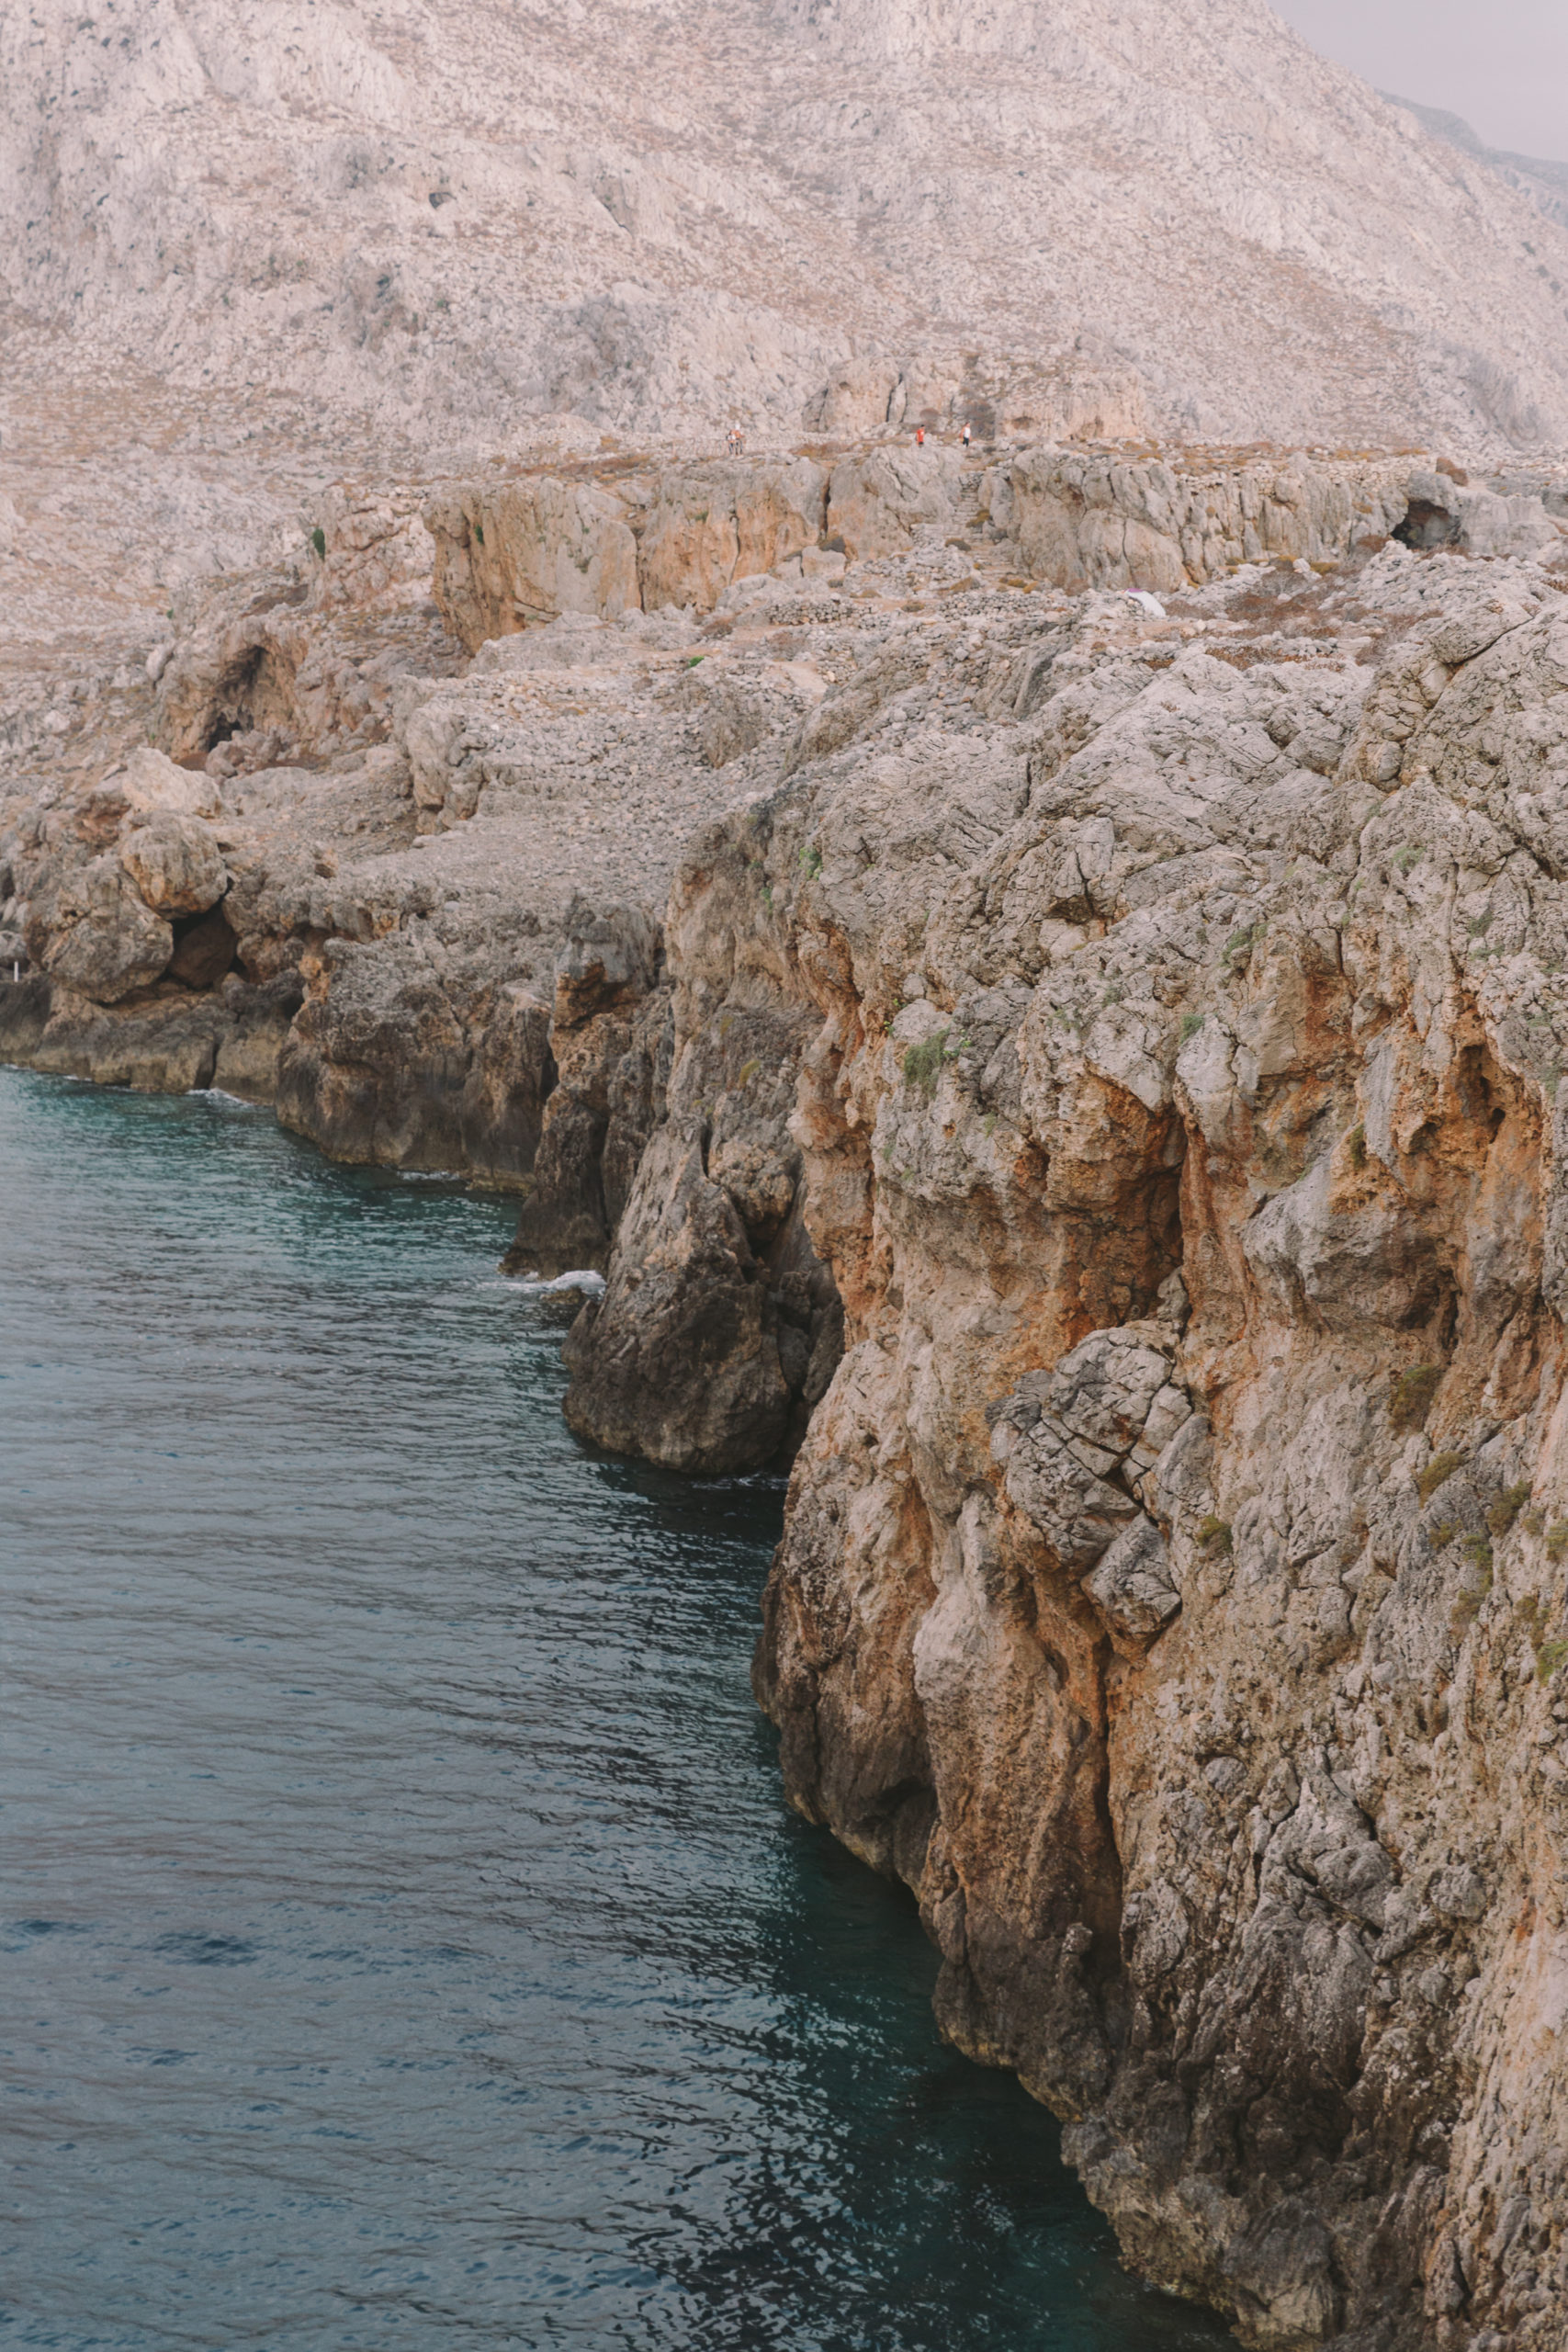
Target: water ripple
404	1941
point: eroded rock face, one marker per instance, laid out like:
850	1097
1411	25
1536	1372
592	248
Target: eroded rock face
528	551
105	943
176	864
689	537
608	1056
1076	1450
1174	1588
720	1326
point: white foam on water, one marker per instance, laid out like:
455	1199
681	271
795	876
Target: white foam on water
583	1279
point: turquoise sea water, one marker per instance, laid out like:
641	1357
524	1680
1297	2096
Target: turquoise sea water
404	1941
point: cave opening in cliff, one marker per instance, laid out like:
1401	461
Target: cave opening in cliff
235	708
205	948
247	695
1425	527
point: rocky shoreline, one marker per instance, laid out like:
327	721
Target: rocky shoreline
1080	1078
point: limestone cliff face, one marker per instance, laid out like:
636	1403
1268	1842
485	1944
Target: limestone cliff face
720	1326
524	550
1091	1093
1174	1588
614	539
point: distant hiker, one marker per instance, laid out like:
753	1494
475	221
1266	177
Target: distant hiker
967	436
920	437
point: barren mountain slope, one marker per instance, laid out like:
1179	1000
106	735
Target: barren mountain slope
1169	212
1544	182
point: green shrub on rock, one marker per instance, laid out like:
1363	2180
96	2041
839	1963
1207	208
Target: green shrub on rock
921	1064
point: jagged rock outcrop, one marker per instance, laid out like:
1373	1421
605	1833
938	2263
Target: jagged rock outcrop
307	655
721	1327
367	889
514	553
1097	521
608	1048
1174	1588
675	536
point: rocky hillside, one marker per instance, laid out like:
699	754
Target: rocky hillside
1545	183
434	220
249	251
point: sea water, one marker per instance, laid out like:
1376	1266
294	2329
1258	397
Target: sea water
405	1942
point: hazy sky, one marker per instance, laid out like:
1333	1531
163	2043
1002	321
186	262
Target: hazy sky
1500	63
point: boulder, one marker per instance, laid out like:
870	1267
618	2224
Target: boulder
877	501
152	780
176	864
108	942
1133	1583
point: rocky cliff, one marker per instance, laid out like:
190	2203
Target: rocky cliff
1080	1077
1037	975
416	897
1175	1582
607	539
